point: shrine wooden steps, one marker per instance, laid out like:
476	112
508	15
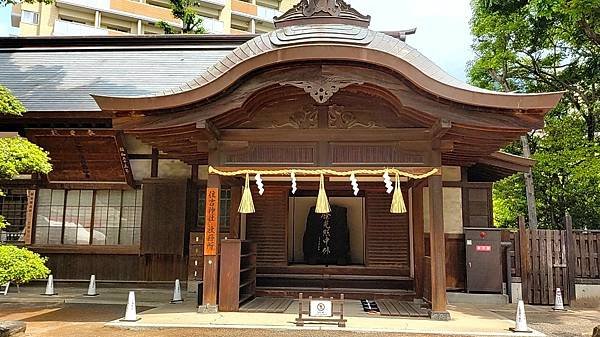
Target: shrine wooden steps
390	307
349	293
267	305
335	281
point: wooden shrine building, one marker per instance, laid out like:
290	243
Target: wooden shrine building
131	197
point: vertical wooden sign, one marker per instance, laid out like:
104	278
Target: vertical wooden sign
211	225
29	217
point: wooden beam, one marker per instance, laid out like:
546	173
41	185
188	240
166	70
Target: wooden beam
437	242
209	130
571	259
440	128
330	135
438	250
154	165
211	260
525	266
412	169
234	215
418	237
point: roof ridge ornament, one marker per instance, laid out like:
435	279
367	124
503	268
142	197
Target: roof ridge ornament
308	12
328	6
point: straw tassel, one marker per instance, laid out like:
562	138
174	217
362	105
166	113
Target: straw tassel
398	206
246	204
322	200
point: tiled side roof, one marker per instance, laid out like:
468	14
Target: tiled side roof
54	80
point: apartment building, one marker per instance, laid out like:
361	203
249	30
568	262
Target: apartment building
121	17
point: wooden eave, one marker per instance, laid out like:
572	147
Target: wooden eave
509	162
209	108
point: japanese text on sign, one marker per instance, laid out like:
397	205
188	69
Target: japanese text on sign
211	226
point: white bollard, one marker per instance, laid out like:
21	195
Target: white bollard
521	319
130	314
50	287
558	302
6	286
92	287
177	293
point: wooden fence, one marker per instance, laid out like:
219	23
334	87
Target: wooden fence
587	250
548	259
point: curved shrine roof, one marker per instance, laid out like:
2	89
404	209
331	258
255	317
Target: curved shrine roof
343	42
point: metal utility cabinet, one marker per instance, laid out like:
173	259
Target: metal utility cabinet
484	260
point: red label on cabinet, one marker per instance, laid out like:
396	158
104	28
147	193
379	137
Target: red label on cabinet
483	248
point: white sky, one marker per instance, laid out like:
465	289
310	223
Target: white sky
442	27
443	32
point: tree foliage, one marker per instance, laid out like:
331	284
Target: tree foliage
14	2
540	45
184	11
566	177
17	154
20	265
9	104
547	45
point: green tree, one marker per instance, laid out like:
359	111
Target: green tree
566	176
546	45
14	2
184	10
18	156
20	265
540	45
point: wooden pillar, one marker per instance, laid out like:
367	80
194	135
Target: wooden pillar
524	252
418	236
571	259
154	164
234	215
211	235
438	250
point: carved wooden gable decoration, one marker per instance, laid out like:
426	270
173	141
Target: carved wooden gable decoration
322	11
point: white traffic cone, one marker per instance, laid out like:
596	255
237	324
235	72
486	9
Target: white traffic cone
92	287
177	293
558	302
6	286
521	320
130	314
50	287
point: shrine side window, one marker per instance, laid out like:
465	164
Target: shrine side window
88	217
13	207
224	205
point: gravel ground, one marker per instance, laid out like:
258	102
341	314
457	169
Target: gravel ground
79	320
572	323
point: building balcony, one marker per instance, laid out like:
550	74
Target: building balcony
239	31
66	28
126	8
251	11
143	9
244	8
267	14
213	3
213	26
